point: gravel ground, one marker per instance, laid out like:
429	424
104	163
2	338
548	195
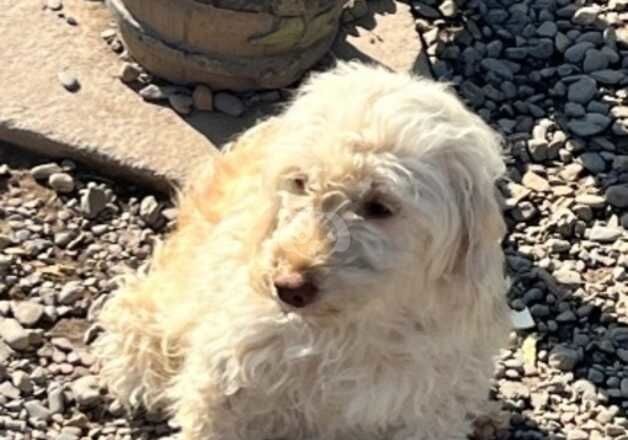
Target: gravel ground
65	234
550	75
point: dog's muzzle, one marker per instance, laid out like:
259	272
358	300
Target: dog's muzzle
296	290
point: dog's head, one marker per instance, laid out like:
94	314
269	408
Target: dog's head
377	187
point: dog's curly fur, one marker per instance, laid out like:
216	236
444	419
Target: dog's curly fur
410	310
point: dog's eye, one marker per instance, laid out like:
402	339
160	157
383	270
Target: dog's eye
375	209
298	184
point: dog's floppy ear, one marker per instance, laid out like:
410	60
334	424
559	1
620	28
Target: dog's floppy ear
466	223
227	181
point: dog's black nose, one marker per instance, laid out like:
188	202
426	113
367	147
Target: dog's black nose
296	290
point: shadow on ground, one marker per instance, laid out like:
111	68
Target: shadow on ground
515	63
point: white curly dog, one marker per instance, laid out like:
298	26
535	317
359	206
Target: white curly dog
337	274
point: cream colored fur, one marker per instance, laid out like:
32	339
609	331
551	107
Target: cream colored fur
411	308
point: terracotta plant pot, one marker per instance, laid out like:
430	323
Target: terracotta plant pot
228	44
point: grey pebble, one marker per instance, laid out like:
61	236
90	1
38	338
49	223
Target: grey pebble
64	238
585	389
608	76
497	66
153	92
56	400
566	316
425	10
617	195
620	163
8	390
69	81
108	34
182	104
547	29
12	332
598	107
604	234
150	211
494	49
15	425
540	310
595	376
543	49
586	15
228	103
516	53
54	5
448	8
611	54
623	387
577	434
568	277
582	91
5	242
575	54
514	390
539	149
561	42
591	124
473	93
594	37
70	293
61	182
203	98
496	16
592	200
129	72
6	261
594	60
99	230
27	313
86	391
44	171
533	295
556	245
22	382
593	162
620	127
535	182
574	109
93	201
37	410
563	358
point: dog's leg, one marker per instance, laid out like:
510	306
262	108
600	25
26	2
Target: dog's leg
205	422
200	409
137	356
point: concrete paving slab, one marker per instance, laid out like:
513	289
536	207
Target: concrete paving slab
104	124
